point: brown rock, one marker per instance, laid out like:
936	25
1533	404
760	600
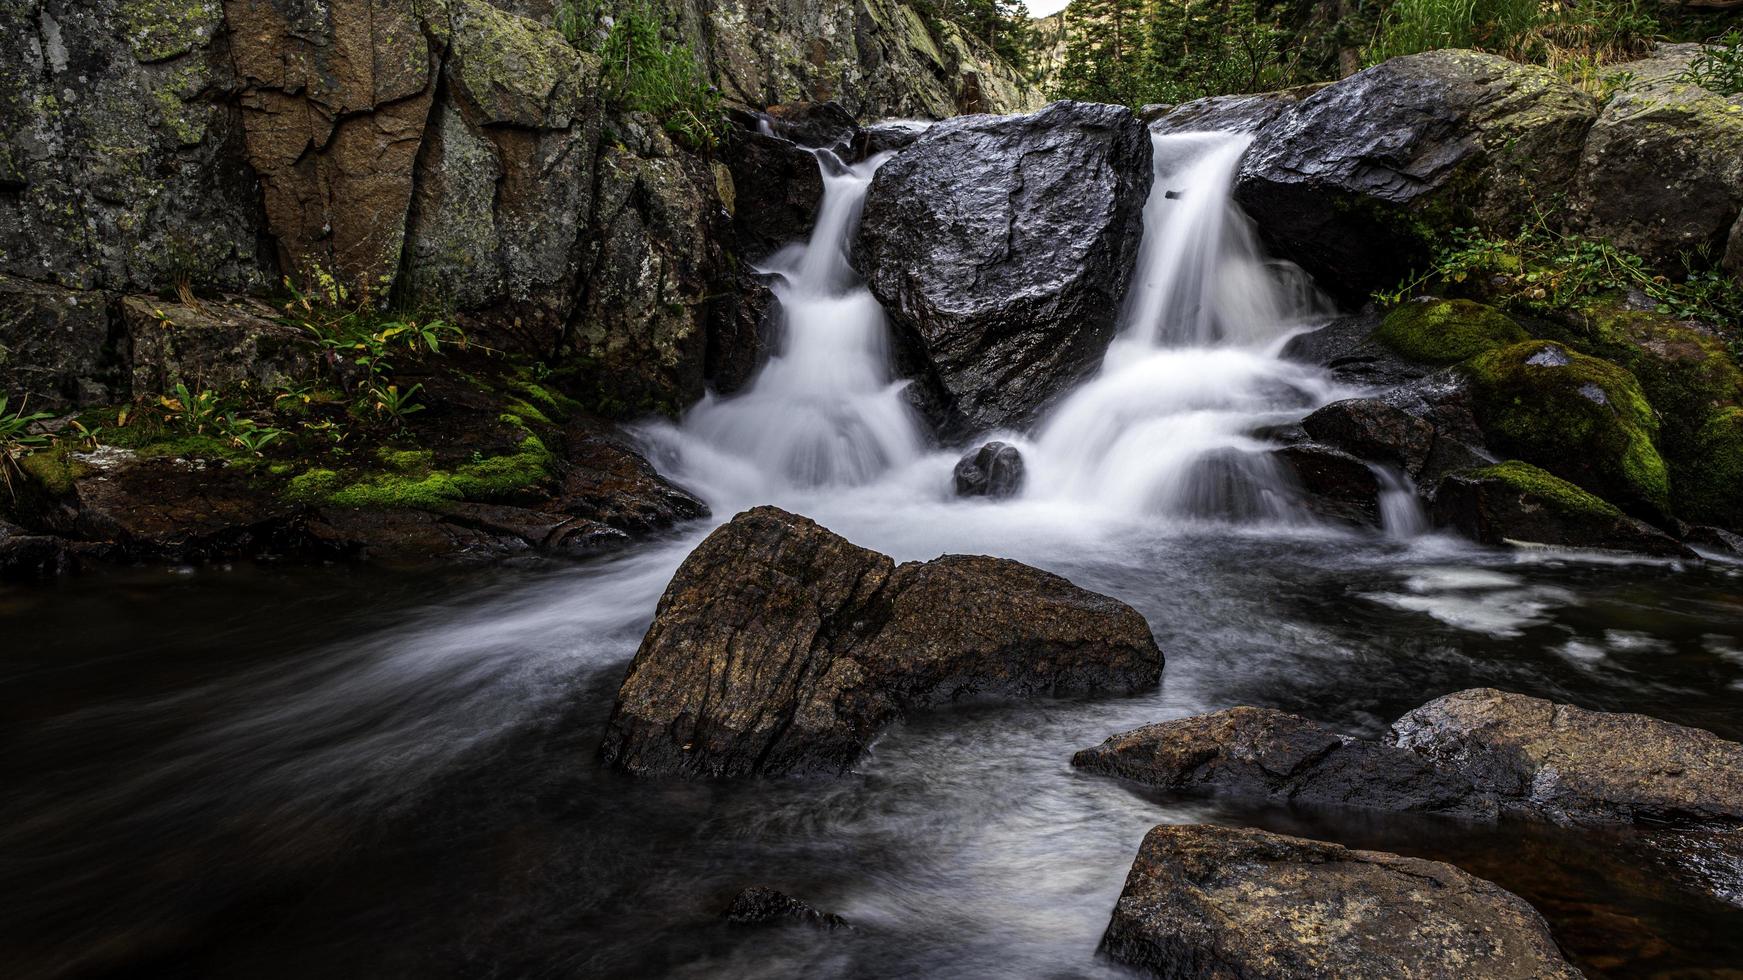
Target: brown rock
213	345
606	481
780	647
1339	486
1204	901
1373	430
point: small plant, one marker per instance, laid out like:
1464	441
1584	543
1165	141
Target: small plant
195	410
18	440
647	73
1719	66
246	434
395	404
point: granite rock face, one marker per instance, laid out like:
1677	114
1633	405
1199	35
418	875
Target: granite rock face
1205	901
1000	247
781	647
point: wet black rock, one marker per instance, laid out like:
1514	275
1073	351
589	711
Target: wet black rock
777	188
29	557
1221	902
1337	485
1344	346
1224	113
1341	182
780	647
1001	247
761	905
823	125
993	470
1375	431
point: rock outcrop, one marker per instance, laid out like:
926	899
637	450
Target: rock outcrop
1000	248
1337	485
1479	752
1204	901
1374	430
781	647
994	470
1661	174
760	905
1342	182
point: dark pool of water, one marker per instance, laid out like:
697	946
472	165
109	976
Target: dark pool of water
347	772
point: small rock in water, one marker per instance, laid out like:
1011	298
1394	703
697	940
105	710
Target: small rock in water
993	470
1205	901
761	905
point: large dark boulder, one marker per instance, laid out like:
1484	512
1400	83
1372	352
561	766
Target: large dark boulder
1001	247
1224	113
993	470
781	647
1204	901
1264	754
1337	486
1517	503
1572	765
1346	182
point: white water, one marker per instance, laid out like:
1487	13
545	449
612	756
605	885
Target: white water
1167	432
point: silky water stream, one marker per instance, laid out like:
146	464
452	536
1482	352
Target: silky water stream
282	772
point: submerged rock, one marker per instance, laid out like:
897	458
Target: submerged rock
761	905
993	470
1342	182
1338	486
1517	503
1205	901
1478	753
1573	765
781	647
1001	247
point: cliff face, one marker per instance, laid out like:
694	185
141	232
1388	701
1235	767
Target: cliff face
449	152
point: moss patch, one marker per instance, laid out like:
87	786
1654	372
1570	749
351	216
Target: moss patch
1583	419
487	479
1558	494
53	469
1446	331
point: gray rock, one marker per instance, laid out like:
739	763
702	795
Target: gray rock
1576	766
1373	430
213	346
57	345
993	470
780	647
1339	182
1224	113
1205	901
1001	246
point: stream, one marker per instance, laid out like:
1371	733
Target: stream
261	771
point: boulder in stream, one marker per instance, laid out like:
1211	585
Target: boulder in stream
781	647
761	905
1517	503
1373	430
993	470
1204	901
1000	247
1475	753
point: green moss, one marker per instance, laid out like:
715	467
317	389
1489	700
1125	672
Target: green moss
1446	331
1564	497
53	469
312	486
1710	488
406	460
494	478
1585	420
158	30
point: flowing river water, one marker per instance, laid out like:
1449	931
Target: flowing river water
258	771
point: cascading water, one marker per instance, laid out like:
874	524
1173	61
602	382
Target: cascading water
825	409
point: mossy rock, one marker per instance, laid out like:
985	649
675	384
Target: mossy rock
1688	375
1446	331
1516	503
1583	419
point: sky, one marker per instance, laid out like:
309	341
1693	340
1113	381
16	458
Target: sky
1041	8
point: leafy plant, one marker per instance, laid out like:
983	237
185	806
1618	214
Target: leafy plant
395	404
645	72
195	409
1719	66
18	440
246	434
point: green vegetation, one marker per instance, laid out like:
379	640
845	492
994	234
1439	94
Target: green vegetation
1002	25
1570	36
1547	488
646	66
1719	66
1584	419
1446	331
19	438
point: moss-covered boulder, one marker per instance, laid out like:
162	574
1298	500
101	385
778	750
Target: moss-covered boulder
1446	331
1517	503
1583	419
1688	374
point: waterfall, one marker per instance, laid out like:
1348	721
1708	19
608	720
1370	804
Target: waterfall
1170	426
825	410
